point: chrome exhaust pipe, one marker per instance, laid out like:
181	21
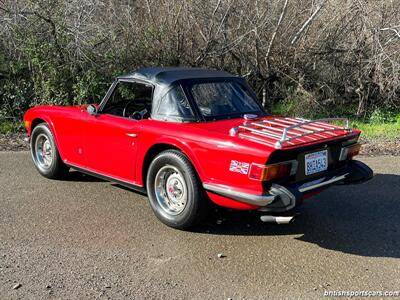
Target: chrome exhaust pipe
277	220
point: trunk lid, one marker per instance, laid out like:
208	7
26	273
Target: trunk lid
282	132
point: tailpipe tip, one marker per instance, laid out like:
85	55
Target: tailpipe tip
277	219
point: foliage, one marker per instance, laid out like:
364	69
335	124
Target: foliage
379	116
381	126
7	127
312	58
382	131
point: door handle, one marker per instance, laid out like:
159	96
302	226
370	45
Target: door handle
132	135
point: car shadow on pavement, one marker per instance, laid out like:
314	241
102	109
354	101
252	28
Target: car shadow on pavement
81	177
357	219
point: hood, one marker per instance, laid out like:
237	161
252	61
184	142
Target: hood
283	132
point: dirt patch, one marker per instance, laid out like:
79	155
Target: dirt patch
15	142
380	147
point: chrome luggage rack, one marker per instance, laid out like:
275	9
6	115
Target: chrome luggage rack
287	129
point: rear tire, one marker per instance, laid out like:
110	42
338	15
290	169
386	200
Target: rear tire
359	172
45	154
174	190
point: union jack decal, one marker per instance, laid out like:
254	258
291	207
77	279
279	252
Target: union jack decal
239	167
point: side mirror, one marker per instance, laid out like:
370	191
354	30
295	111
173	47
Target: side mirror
91	109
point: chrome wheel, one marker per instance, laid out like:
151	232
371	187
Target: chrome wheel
43	151
171	190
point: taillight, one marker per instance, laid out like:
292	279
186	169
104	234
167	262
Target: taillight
349	152
275	171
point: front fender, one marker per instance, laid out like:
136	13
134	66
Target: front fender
33	117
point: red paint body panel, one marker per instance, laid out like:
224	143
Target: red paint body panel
226	202
100	144
109	149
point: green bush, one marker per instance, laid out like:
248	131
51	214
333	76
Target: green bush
7	127
379	116
89	87
397	119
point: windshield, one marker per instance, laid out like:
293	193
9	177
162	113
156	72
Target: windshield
223	99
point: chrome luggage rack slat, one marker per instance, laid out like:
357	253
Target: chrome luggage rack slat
288	129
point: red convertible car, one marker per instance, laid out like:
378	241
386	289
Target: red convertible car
187	137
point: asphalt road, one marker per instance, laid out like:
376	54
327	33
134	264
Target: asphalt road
86	238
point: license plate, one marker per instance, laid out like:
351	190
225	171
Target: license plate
316	162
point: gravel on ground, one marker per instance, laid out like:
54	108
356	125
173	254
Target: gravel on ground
84	238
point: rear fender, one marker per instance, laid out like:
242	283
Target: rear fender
175	143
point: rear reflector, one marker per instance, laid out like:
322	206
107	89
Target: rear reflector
275	171
349	152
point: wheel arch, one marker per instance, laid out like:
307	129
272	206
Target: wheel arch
37	121
45	119
157	148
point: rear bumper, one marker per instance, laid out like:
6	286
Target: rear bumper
320	184
283	198
277	191
226	191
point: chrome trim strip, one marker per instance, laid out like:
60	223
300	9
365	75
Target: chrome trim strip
260	200
273	136
124	183
323	183
298	129
279	130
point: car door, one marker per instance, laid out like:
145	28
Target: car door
68	123
112	137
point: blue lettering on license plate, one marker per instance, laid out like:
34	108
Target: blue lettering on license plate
316	162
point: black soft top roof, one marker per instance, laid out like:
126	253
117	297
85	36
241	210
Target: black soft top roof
168	75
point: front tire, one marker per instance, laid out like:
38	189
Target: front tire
175	192
45	154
